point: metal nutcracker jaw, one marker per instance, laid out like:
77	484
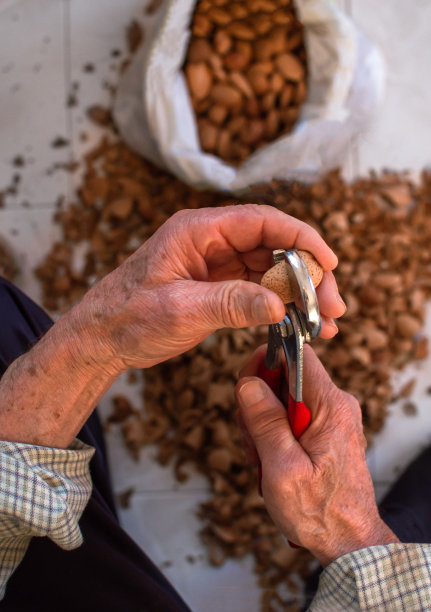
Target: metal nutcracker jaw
277	333
308	306
301	324
293	346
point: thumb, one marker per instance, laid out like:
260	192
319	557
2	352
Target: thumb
264	417
237	303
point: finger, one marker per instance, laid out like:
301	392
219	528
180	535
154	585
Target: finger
249	266
247	442
258	260
252	366
264	417
233	304
320	394
329	328
330	302
248	226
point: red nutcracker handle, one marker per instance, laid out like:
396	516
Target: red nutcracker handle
297	412
271	377
299	416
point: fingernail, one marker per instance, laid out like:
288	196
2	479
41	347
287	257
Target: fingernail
341	301
251	393
333	325
260	309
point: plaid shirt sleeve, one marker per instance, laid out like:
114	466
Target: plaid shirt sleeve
43	492
394	577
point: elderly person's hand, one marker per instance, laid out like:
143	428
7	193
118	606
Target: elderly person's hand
198	273
317	489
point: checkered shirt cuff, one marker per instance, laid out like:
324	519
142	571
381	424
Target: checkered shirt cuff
43	492
394	577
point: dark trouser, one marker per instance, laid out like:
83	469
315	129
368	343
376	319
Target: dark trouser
406	508
109	572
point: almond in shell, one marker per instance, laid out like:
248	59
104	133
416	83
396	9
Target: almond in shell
199	79
280	278
289	67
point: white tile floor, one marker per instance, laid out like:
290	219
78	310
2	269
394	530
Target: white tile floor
44	47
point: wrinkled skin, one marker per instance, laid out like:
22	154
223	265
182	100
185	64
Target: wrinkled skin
200	272
318	489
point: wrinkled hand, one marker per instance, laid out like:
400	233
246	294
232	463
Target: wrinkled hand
198	273
318	490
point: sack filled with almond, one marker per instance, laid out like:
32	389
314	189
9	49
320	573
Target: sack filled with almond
246	73
228	94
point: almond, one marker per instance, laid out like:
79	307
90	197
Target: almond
216	64
264	49
252	108
236	124
289	67
283	17
226	95
265	67
257	79
235	61
258	82
240	30
407	325
268	101
201	27
217	114
278	278
272	124
239	80
218	16
295	40
276	83
238	10
245	48
222	42
279	39
252	132
290	115
203	6
199	50
208	134
262	6
202	106
300	93
262	25
199	79
224	145
287	95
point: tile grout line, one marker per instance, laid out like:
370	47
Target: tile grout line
354	144
67	62
34	206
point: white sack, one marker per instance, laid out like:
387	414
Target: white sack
345	81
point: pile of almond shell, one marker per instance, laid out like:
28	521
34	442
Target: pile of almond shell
380	229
